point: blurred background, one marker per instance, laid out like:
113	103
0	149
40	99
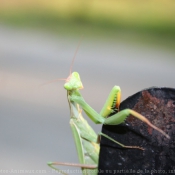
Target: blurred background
130	43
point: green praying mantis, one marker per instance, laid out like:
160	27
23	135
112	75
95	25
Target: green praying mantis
86	140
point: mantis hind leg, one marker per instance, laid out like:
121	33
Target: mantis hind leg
122	145
53	164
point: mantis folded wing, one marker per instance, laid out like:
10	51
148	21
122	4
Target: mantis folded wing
84	136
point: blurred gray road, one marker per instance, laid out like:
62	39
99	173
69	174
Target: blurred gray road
34	120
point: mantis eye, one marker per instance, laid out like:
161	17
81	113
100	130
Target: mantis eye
67	86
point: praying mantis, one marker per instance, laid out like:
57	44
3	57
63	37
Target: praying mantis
86	140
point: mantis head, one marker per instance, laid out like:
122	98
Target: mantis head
73	82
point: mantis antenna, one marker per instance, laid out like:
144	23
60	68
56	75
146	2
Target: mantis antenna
70	72
73	60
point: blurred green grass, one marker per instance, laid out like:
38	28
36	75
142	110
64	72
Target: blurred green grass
144	20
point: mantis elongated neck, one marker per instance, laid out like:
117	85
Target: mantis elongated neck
74	107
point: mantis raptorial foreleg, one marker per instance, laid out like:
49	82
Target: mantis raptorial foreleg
84	136
110	106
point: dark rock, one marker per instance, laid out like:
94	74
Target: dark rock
158	105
